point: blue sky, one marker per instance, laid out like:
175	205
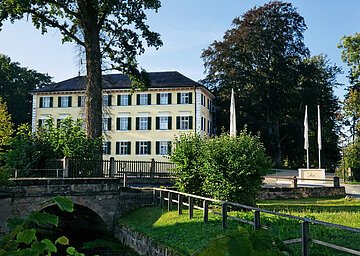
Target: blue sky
187	27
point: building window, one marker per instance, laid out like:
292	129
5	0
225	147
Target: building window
46	102
184	98
123	147
184	122
123	123
143	147
163	98
203	123
81	101
106	124
143	99
163	123
41	122
106	148
143	123
163	147
64	101
124	100
106	100
203	100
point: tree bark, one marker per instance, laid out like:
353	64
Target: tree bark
93	92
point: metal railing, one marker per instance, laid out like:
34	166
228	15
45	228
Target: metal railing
81	168
305	239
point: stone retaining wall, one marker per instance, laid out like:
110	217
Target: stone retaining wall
140	243
300	192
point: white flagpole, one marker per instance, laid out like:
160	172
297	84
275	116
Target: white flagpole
306	137
232	115
319	136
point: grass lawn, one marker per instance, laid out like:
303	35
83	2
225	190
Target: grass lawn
187	236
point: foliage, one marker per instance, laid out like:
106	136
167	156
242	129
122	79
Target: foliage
350	54
189	235
268	66
23	236
188	157
233	168
6	126
351	158
256	243
16	84
222	167
30	150
111	32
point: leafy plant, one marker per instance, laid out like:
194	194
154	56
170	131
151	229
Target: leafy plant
256	243
23	236
222	167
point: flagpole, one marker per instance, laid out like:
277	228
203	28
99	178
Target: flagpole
232	115
319	136
306	137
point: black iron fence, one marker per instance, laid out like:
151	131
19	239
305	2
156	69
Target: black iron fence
80	168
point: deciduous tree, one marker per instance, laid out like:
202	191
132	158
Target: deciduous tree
110	31
16	84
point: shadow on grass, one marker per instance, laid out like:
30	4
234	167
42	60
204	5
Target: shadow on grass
189	235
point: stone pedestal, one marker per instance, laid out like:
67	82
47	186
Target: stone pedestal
311	174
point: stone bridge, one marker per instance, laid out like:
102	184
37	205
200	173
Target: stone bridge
99	200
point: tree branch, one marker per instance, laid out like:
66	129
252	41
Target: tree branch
55	24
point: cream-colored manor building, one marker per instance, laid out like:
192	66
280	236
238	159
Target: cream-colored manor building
139	125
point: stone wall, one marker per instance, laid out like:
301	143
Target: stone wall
300	192
141	243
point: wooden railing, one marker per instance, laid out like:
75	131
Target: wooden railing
160	196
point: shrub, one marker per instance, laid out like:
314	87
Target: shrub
352	159
224	167
188	160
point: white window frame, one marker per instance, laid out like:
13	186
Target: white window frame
164	122
143	123
124	100
184	98
46	102
164	98
143	99
64	101
105	123
105	147
163	147
124	123
82	100
184	123
143	148
123	148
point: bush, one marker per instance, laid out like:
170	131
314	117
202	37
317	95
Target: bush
352	159
188	159
224	167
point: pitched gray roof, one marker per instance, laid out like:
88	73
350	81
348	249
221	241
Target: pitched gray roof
168	79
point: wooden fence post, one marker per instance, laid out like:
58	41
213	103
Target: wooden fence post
161	199
169	206
191	207
65	167
112	167
224	215
206	211
180	202
257	223
336	182
305	240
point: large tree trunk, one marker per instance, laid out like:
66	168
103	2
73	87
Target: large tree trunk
93	92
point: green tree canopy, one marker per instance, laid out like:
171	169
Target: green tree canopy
350	54
264	59
110	32
6	126
15	85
